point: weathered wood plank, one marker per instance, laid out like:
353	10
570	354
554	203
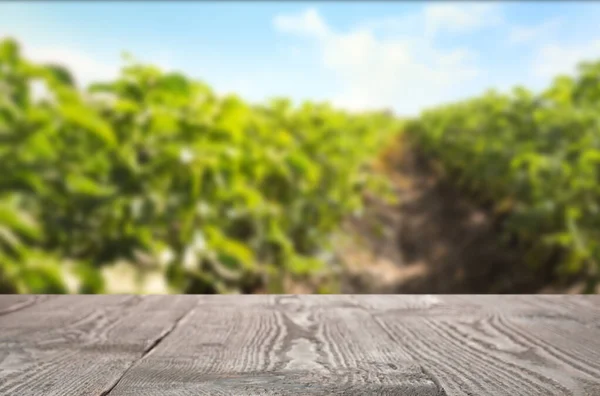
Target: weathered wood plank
500	345
302	345
81	345
277	345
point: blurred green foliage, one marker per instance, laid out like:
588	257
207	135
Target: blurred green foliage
152	183
536	156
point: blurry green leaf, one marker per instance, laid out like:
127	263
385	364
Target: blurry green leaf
61	74
12	218
83	185
174	83
90	122
9	50
304	265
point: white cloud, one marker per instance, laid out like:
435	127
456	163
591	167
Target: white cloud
398	25
554	59
526	34
308	23
440	18
402	73
460	18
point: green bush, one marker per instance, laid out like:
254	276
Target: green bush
536	156
152	183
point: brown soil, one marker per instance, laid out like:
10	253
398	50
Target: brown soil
433	241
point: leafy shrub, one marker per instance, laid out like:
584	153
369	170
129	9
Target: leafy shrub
536	156
153	183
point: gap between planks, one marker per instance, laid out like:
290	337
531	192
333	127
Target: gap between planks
86	341
149	350
278	345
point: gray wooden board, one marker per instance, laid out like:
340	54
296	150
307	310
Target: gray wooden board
492	345
301	345
280	345
81	345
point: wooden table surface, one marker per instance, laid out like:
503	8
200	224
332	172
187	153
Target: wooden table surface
299	345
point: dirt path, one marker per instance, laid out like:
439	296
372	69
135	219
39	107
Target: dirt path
433	241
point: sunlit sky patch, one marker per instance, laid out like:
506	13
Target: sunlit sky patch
398	55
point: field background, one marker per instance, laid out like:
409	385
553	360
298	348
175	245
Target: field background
153	183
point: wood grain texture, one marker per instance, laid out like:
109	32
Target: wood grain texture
491	345
81	345
302	345
277	345
11	303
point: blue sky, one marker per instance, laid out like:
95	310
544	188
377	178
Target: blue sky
399	55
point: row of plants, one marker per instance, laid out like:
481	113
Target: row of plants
153	183
536	157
